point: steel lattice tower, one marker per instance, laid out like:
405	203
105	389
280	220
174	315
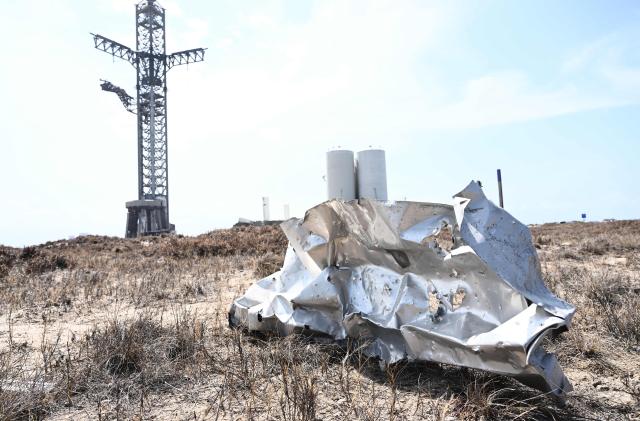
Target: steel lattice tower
150	213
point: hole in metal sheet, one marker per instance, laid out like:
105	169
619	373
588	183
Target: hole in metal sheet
458	298
434	302
400	257
442	240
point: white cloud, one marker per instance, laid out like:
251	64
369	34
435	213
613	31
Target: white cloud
624	78
613	58
600	74
584	56
351	68
509	97
343	62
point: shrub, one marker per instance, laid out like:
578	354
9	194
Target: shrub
620	309
267	264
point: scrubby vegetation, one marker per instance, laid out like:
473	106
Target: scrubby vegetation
105	328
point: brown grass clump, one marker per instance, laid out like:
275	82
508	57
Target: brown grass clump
32	260
39	262
255	241
619	307
7	258
490	397
92	269
121	362
590	237
128	359
23	393
268	264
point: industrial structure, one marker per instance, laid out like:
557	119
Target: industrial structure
266	214
348	179
341	175
150	213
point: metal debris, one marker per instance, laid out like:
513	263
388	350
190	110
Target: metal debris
454	284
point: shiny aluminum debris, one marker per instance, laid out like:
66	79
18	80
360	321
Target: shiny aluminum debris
381	272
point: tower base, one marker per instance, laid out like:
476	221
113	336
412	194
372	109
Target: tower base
147	217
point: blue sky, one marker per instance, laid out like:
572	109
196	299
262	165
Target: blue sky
548	91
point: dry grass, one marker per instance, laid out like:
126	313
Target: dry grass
618	306
268	264
597	238
105	328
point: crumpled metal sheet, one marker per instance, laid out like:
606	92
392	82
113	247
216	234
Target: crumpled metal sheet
375	270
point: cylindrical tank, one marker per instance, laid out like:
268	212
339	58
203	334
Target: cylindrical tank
265	209
341	175
372	174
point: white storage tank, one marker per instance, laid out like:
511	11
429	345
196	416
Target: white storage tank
372	174
265	209
341	175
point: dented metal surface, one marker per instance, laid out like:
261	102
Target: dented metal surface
454	284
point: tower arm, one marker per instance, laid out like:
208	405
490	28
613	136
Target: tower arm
185	57
114	48
125	98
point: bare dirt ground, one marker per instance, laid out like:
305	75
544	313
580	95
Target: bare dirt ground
106	328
